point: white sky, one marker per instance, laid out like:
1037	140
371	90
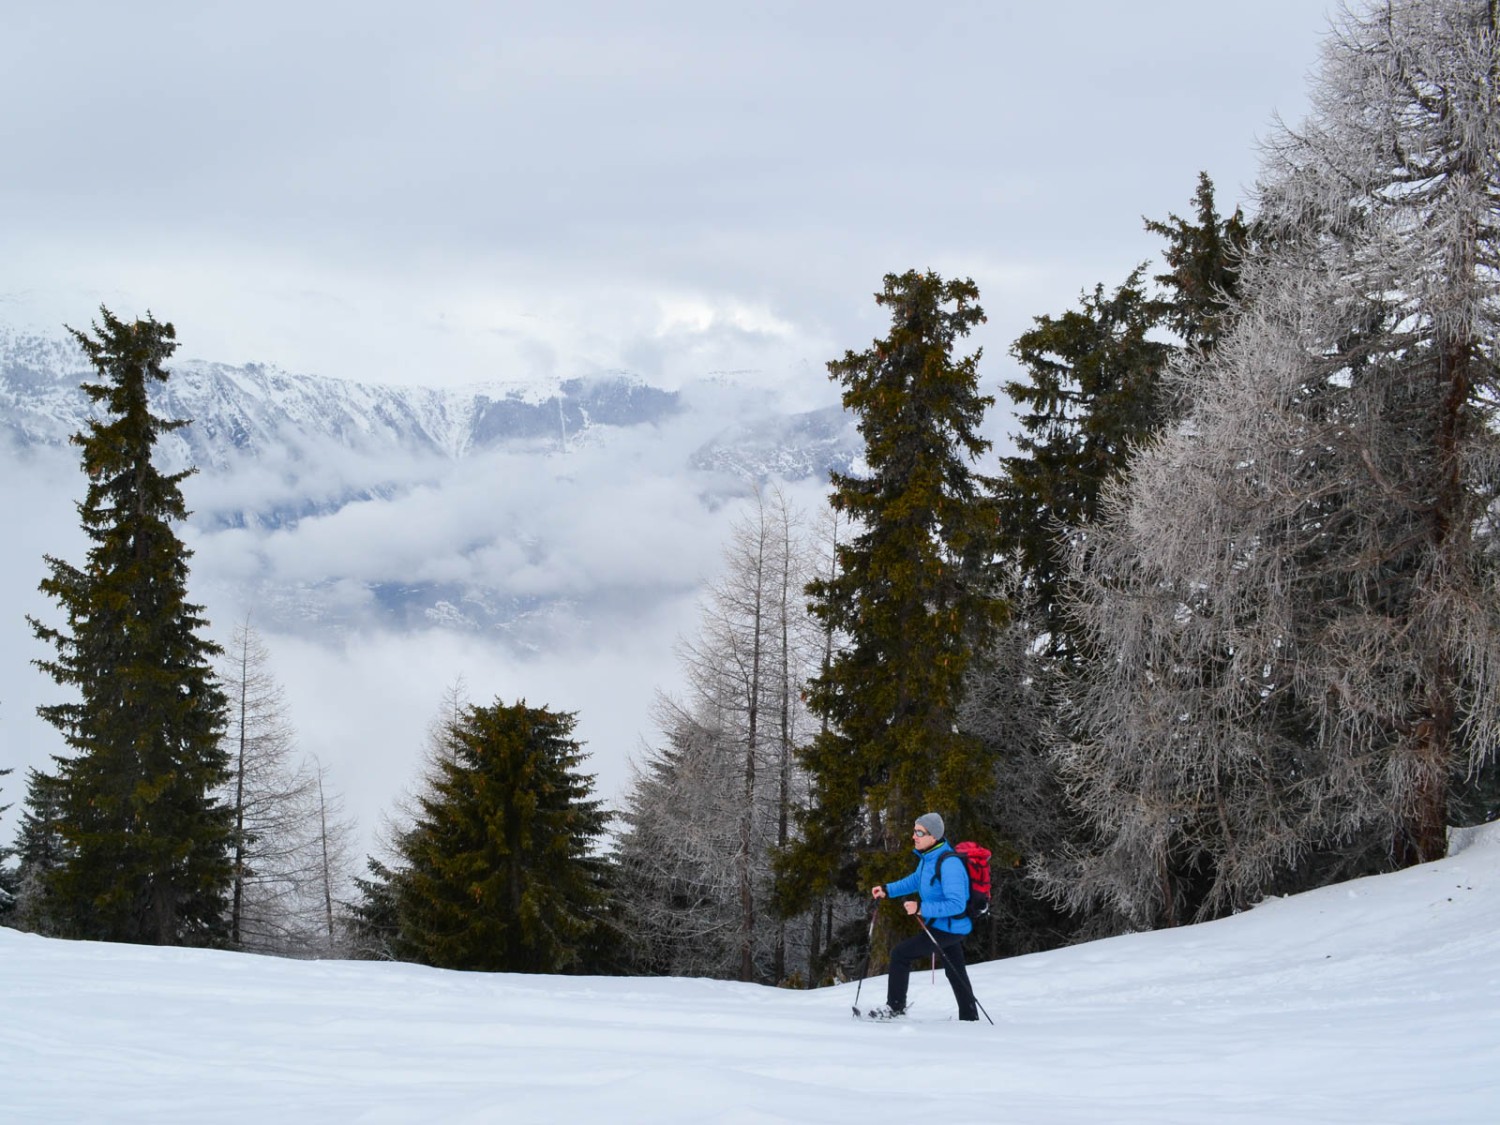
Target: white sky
471	191
1367	1003
459	191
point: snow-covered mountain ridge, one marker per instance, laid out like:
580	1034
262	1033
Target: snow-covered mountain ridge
312	490
254	409
249	408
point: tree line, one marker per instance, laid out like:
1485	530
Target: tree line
1224	624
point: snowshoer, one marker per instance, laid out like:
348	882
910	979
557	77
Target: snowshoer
942	892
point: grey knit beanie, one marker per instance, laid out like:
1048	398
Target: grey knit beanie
933	823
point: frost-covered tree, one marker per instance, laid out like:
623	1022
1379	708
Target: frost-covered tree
333	879
1094	387
679	902
1294	600
1009	708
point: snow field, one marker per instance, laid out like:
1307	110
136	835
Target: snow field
1372	1002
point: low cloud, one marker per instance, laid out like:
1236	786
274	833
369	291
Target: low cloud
562	578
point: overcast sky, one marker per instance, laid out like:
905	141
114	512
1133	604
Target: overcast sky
451	192
456	192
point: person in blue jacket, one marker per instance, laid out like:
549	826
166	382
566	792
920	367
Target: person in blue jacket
942	891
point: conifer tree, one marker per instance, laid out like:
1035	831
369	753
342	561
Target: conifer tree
371	919
39	851
499	871
912	601
146	841
8	881
1096	388
1203	260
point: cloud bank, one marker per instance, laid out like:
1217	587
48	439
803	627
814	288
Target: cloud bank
378	582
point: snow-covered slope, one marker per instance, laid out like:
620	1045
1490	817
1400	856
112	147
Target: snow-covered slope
1373	1002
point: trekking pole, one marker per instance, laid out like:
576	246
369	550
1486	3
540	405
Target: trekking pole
949	965
869	941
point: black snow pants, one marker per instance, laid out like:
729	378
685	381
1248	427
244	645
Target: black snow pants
953	957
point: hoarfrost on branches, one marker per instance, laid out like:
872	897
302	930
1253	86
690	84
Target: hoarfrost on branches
1294	593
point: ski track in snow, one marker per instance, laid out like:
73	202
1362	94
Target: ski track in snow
1372	1002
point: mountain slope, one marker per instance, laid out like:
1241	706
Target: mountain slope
1374	1001
326	503
255	410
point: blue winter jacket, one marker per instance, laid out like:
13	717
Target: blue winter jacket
943	901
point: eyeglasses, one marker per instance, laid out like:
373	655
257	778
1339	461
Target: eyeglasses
920	832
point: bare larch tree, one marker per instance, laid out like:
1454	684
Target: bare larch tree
290	842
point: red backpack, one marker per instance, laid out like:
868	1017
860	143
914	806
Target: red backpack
977	867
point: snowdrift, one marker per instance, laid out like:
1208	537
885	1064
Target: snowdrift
1373	1001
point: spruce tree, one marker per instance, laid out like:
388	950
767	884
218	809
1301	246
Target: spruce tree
1093	388
8	880
146	840
372	922
1203	260
1096	387
911	602
39	851
499	872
